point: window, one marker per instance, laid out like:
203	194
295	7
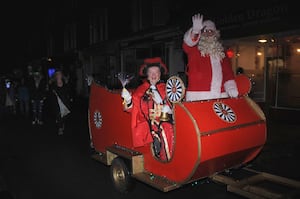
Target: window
70	35
98	27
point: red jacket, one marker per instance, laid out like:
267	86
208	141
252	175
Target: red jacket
199	70
140	113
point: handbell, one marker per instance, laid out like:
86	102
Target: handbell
164	116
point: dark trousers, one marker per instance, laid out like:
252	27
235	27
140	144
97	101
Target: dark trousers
60	121
24	107
37	109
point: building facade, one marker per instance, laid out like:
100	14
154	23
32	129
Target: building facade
103	40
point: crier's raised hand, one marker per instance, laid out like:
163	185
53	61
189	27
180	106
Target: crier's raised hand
126	95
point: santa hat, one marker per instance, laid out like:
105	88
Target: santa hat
209	25
152	62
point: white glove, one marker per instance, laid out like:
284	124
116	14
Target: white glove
232	92
89	80
197	23
156	96
126	95
231	88
166	109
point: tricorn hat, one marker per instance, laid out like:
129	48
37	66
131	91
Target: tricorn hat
151	62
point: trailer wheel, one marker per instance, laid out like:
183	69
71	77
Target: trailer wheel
120	175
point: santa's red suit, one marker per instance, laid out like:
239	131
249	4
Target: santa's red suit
142	104
209	76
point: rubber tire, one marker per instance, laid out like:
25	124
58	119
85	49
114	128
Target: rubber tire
120	176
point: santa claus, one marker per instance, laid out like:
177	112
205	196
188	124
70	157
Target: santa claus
209	71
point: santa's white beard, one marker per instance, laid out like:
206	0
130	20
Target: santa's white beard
210	45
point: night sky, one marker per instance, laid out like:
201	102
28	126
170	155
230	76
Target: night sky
20	20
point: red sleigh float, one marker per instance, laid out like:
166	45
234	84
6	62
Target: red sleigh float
211	136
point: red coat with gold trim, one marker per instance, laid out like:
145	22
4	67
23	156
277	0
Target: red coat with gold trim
142	102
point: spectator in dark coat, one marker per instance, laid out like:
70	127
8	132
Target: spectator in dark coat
24	97
61	99
37	90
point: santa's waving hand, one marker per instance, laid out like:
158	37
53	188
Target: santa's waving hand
197	20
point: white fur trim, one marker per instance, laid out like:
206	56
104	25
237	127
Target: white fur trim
204	95
217	76
187	38
209	25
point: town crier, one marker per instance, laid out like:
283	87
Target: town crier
147	104
209	70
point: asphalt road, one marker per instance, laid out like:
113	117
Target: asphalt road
36	163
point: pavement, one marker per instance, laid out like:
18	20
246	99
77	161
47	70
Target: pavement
281	153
